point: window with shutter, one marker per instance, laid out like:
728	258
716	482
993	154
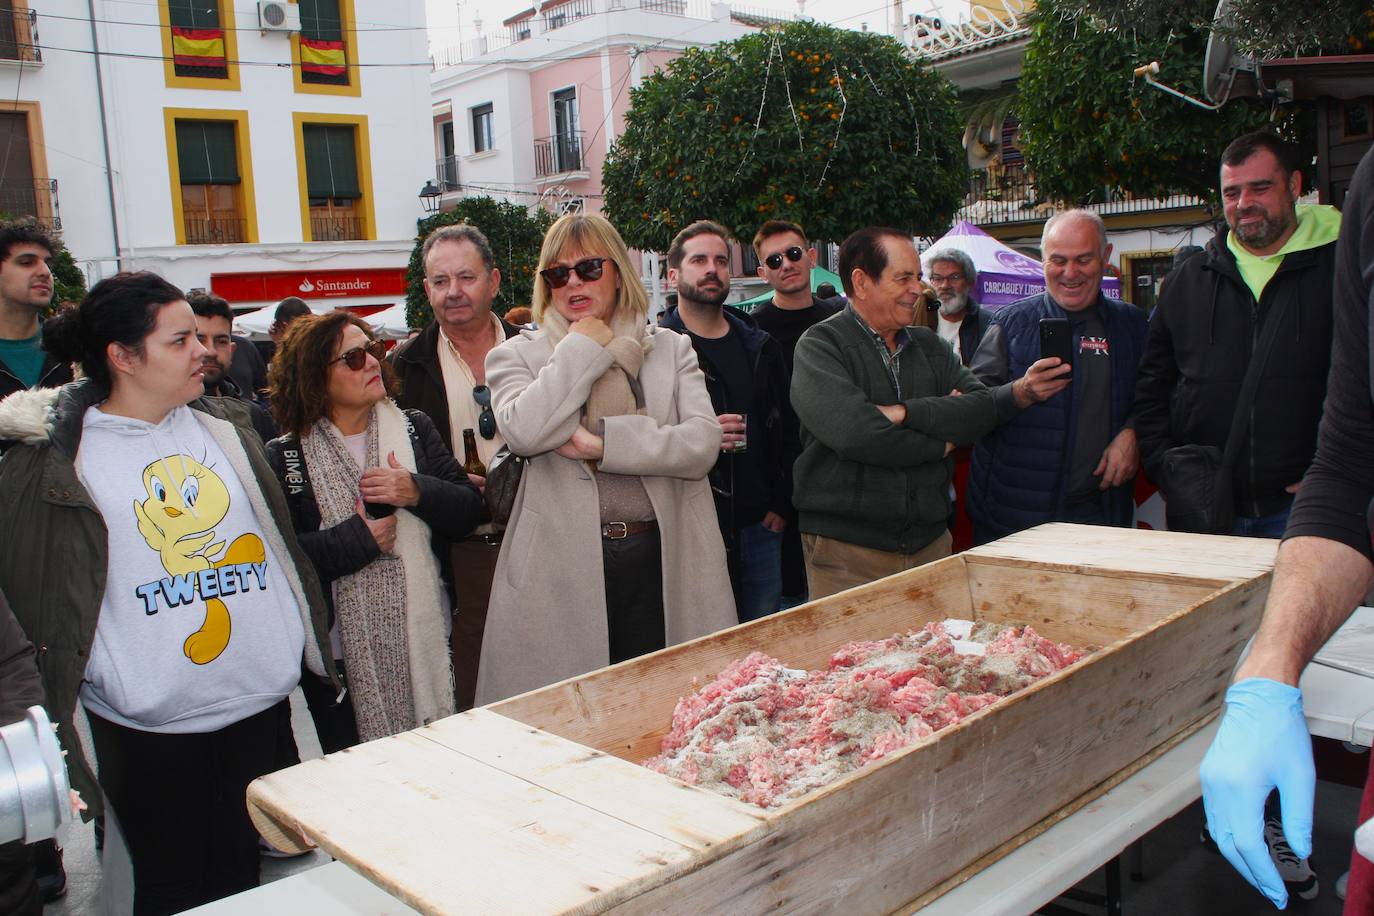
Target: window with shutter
331	180
211	196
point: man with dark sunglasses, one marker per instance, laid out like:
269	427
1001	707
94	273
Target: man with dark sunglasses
747	378
786	259
442	371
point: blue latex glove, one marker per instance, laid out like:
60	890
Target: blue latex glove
1263	743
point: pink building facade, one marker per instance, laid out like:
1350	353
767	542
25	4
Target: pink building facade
529	112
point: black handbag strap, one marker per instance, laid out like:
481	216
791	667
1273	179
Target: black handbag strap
1251	383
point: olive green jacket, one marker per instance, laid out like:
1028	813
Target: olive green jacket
53	556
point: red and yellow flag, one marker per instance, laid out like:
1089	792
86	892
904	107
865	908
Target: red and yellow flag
323	57
198	47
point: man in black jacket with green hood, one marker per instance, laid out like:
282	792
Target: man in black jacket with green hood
1272	254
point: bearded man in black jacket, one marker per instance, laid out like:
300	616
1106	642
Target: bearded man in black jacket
1271	254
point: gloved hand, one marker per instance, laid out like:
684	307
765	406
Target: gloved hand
1262	743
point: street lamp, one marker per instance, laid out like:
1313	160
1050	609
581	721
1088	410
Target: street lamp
429	197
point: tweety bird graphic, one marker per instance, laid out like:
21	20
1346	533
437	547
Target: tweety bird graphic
186	500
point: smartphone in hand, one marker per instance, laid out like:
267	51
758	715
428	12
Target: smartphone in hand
1056	339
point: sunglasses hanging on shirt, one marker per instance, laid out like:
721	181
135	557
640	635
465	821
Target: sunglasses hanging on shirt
486	421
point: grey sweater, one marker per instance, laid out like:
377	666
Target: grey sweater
860	477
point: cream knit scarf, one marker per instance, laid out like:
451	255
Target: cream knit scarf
389	613
617	392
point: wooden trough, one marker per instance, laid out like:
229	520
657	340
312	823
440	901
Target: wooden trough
537	804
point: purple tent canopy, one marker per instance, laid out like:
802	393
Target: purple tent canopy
1004	274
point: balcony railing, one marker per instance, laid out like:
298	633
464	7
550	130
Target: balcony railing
998	196
564	13
558	154
446	173
36	199
472	49
19	35
335	228
220	231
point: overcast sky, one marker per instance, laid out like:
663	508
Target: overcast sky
443	15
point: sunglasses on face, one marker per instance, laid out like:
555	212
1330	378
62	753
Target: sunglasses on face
588	269
356	358
486	421
774	260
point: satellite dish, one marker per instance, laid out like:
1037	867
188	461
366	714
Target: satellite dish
1222	62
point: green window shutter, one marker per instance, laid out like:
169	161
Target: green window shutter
206	152
331	163
194	14
320	20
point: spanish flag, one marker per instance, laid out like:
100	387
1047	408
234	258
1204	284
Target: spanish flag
198	47
323	57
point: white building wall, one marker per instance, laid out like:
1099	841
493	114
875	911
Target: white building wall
63	85
394	98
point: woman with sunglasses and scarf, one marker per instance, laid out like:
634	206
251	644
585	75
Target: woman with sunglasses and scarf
375	497
612	549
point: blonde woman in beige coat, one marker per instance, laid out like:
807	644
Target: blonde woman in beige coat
612	549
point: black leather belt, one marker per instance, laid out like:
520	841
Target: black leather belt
617	531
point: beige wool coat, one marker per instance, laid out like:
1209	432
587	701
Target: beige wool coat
547	617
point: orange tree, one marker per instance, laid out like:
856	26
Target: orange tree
1089	125
832	128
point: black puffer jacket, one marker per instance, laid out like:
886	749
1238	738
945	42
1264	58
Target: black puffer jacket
1201	336
449	505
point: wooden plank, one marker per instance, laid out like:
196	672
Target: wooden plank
625	709
446	833
1068	607
695	818
1025	836
881	837
1169	554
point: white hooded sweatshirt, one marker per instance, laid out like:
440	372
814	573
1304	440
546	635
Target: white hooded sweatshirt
198	626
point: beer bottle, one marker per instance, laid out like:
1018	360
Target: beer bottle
471	463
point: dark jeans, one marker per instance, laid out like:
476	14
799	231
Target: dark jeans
334	722
180	800
760	572
633	567
474	565
1263	526
1090	511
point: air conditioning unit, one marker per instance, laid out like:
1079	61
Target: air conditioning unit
278	16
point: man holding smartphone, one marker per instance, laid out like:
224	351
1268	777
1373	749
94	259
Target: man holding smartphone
1065	448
